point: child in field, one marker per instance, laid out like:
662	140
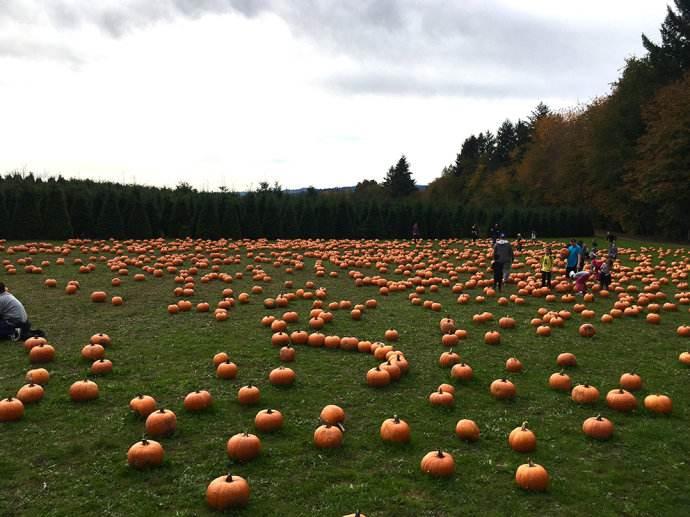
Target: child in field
546	267
580	279
613	249
605	274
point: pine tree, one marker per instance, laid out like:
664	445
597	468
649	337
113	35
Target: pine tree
4	217
27	222
207	225
230	220
138	225
672	57
398	181
109	222
57	224
81	215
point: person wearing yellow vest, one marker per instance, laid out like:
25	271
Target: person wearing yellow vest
546	267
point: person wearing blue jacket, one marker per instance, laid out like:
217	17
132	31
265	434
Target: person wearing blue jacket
573	257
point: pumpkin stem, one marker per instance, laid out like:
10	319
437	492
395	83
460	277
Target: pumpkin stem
531	463
144	441
598	417
524	425
396	418
562	372
439	454
269	411
228	478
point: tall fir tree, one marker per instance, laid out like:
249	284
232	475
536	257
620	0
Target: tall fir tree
138	224
57	223
109	222
399	181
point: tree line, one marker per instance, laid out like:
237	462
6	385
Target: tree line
621	163
57	208
624	158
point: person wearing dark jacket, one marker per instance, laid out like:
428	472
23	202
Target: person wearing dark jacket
503	254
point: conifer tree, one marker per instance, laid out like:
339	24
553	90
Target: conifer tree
57	224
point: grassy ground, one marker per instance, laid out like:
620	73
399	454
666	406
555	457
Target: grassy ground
65	458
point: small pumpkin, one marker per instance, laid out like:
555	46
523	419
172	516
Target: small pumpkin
560	381
145	453
332	414
514	365
243	446
566	359
467	430
395	430
11	409
38	376
102	366
282	376
462	371
532	476
584	394
502	389
82	391
522	439
621	400
631	381
227	492
143	405
268	420
161	423
248	395
441	398
598	427
226	370
438	464
377	377
657	403
328	436
198	400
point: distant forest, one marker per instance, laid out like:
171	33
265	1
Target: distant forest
621	163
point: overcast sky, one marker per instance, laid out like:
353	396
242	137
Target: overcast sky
303	92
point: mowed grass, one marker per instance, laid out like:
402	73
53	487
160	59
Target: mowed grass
65	458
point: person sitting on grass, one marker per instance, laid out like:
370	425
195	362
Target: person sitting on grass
14	322
580	279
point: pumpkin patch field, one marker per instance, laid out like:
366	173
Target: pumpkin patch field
325	377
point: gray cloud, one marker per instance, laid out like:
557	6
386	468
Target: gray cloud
392	41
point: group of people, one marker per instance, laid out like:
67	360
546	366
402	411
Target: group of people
577	256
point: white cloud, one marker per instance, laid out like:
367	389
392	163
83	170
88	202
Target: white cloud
220	92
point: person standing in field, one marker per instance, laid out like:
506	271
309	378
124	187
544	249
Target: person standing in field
475	233
494	233
605	274
533	235
519	242
582	255
613	249
571	261
546	267
497	269
503	254
415	231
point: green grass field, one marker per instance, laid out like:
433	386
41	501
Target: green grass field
67	458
